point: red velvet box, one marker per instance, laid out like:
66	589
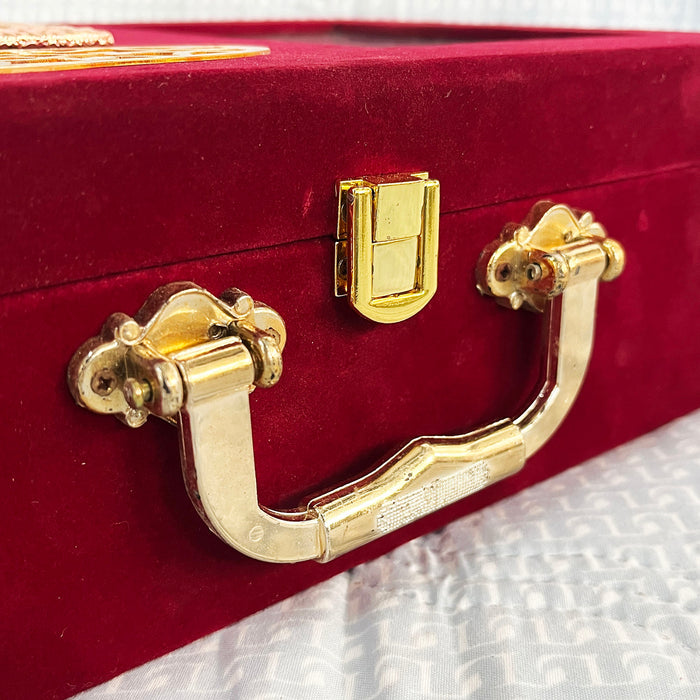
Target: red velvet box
118	180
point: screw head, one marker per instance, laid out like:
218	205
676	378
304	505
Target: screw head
503	272
103	382
217	331
342	270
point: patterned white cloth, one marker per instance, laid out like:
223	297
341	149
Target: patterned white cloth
631	14
584	586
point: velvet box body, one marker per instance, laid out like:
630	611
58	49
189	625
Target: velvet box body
118	180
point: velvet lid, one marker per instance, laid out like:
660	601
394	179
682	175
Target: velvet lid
115	181
231	155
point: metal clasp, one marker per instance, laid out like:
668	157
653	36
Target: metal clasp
387	244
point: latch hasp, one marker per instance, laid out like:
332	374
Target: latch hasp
387	244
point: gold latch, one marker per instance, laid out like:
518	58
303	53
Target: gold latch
387	244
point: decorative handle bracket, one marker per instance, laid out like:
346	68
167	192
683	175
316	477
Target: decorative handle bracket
192	359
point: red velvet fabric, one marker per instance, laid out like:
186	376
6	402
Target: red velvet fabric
117	181
215	157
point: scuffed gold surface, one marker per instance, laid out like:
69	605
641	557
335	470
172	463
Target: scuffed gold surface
36	60
21	36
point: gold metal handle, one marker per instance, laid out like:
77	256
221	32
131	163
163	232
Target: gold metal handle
192	357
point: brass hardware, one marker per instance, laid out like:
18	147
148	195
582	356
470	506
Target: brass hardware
39	60
571	252
190	356
387	244
22	36
28	48
141	366
555	247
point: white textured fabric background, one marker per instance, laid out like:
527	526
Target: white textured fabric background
584	586
641	14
